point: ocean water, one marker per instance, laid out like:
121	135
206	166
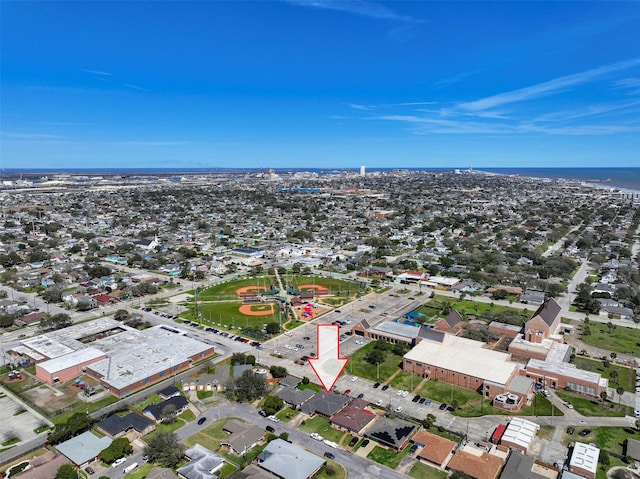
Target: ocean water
627	178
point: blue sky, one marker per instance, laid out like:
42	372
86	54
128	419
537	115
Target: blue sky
319	84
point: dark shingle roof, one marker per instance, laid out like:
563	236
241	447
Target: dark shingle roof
548	311
324	403
115	424
295	397
392	432
178	402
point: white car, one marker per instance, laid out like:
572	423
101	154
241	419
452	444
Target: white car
379	402
316	436
354	379
119	461
568	405
398	409
405	394
273	418
288	333
359	342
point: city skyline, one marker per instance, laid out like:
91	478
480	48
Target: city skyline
319	84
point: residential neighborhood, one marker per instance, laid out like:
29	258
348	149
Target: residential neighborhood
167	325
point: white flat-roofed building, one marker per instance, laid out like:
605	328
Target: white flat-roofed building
69	366
47	347
519	434
147	362
584	460
440	282
463	362
565	376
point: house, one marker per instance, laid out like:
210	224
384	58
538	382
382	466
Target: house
436	451
169	407
161	473
169	392
290	382
203	464
394	433
242	436
544	323
519	466
478	462
295	397
531	296
325	404
584	460
116	426
287	461
84	448
354	418
617	312
29	319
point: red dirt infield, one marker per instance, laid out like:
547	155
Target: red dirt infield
312	286
247	309
250	289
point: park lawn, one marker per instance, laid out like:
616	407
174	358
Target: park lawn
541	407
82	407
360	367
335	286
621	340
321	425
227	470
227	314
230	288
406	381
422	471
388	457
592	407
443	392
625	376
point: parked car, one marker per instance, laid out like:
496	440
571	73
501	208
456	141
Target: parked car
360	396
201	421
89	471
385	387
570	430
328	455
119	461
584	432
568	405
270	429
443	406
376	385
353	442
365	443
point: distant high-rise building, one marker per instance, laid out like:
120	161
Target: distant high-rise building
362	170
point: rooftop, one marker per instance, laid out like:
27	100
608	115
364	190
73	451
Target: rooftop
584	456
464	356
74	358
288	461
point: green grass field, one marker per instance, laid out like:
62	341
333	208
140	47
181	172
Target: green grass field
388	457
321	425
406	381
620	340
592	407
359	367
422	471
227	315
229	288
442	392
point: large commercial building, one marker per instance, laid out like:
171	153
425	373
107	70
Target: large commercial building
122	359
463	362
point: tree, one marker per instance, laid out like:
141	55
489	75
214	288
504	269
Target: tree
603	396
613	375
77	423
429	421
619	391
67	471
121	315
53	294
272	405
246	388
272	328
613	355
165	449
278	371
57	321
603	459
118	448
375	356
